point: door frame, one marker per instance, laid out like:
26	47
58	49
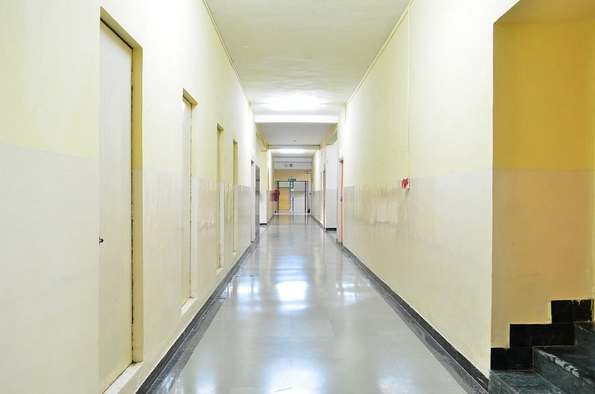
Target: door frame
341	202
188	98
253	205
137	325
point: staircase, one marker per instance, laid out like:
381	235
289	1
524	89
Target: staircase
556	368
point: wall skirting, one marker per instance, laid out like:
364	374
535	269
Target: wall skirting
471	378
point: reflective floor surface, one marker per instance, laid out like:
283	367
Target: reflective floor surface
300	317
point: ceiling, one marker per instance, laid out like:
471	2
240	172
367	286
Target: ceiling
550	11
303	57
288	134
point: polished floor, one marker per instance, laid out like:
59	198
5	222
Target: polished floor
300	317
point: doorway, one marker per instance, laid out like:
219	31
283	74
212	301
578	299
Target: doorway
186	139
256	203
293	197
235	192
115	209
220	198
323	202
341	211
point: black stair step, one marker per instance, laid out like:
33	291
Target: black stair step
520	382
572	311
585	336
572	369
528	335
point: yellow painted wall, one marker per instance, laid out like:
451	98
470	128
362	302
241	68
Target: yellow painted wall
284	175
424	110
49	172
544	96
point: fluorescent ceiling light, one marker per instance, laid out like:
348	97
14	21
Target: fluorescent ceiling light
295	102
329	119
291	151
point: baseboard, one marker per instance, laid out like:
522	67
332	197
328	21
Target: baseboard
331	229
468	375
197	320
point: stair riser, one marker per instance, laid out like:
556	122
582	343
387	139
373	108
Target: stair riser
561	376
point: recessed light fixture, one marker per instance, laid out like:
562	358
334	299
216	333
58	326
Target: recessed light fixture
291	151
294	102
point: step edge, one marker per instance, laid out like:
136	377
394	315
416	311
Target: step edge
566	366
497	375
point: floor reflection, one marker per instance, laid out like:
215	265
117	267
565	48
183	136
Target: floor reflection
299	317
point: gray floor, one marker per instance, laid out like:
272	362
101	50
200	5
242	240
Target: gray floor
299	317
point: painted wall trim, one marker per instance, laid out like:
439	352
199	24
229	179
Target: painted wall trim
466	373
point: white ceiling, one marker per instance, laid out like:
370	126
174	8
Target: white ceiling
295	133
303	56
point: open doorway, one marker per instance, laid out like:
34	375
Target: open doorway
293	197
543	161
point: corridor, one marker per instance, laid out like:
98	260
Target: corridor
300	317
297	196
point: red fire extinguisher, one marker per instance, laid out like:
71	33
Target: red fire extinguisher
275	195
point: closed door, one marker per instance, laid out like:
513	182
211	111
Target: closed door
186	200
115	251
220	200
341	216
256	203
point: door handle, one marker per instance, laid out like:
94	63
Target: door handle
100	240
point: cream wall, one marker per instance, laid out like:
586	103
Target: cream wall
543	168
331	166
49	162
424	110
49	196
265	191
326	158
317	167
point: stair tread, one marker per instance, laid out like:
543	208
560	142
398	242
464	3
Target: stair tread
577	361
526	382
587	327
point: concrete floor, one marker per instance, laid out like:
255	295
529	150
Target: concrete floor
299	317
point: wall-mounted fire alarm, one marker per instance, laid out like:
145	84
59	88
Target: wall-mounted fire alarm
405	183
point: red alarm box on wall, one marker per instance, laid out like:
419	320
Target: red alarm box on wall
405	183
275	195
